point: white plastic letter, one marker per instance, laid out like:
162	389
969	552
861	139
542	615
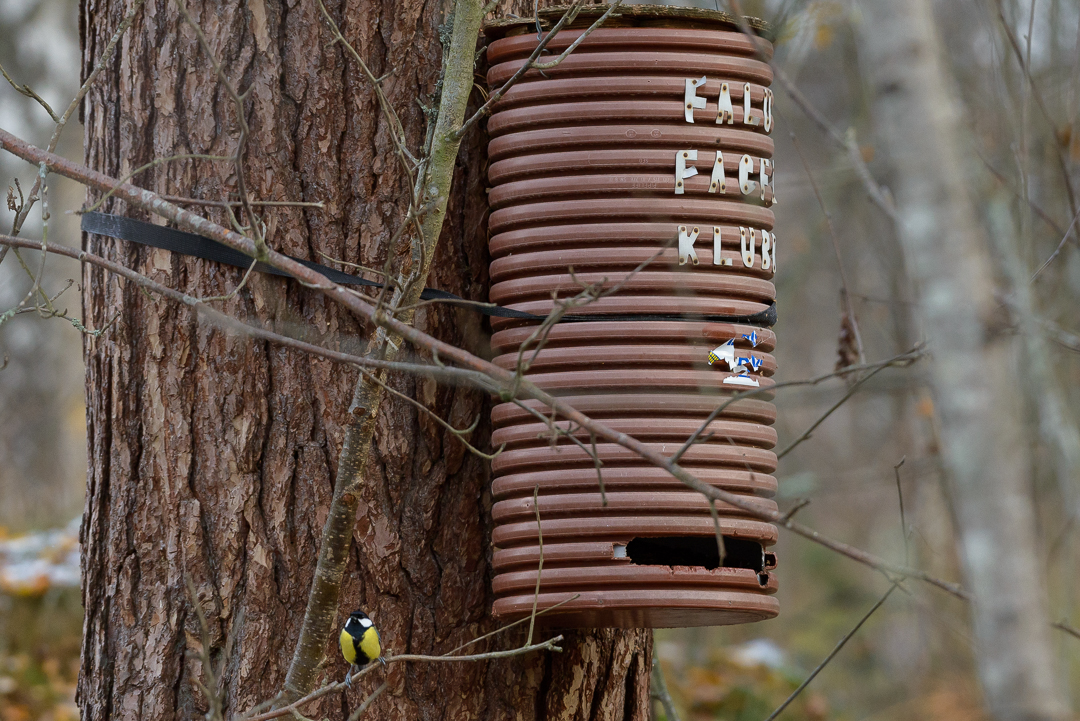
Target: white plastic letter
686	245
748	252
725	111
719	180
764	176
746	166
766	250
681	171
747	120
767	110
691	99
717	257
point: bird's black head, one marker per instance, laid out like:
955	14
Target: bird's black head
358	623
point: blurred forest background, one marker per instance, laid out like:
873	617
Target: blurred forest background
913	659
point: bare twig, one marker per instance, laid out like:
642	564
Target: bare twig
573	46
210	685
458	433
397	131
832	654
182	200
1035	207
540	565
903	519
721	551
227	322
241	142
152	164
530	63
1037	95
844	399
367	702
836	247
660	689
29	92
106	55
1057	251
550	645
509	626
790	513
904	359
1071	630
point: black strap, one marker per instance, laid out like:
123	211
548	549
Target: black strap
178	241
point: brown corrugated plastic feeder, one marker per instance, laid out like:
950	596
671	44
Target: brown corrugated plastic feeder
639	166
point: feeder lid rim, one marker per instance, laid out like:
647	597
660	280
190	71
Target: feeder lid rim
499	27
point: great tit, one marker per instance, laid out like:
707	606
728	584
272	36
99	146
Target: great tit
360	643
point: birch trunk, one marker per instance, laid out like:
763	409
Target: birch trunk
975	377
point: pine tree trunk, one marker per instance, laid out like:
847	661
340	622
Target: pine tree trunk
212	456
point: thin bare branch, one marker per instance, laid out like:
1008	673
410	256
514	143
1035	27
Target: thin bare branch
458	433
540	565
903	520
550	645
660	689
832	654
836	247
1071	630
496	96
153	164
29	92
1037	95
1057	251
106	56
241	142
367	702
182	200
904	359
852	390
444	373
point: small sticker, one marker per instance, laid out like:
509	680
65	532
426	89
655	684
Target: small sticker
723	352
752	339
741	380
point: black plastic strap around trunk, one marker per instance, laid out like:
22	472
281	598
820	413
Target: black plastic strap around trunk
178	241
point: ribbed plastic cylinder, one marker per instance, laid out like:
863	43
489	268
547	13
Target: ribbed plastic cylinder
639	166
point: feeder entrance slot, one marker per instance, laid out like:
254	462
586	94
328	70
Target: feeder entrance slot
696	551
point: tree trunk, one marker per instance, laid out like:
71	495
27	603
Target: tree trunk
975	375
213	456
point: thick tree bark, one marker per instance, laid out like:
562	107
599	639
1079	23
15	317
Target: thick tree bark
975	371
212	456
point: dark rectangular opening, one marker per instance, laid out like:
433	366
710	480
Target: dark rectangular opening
696	551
